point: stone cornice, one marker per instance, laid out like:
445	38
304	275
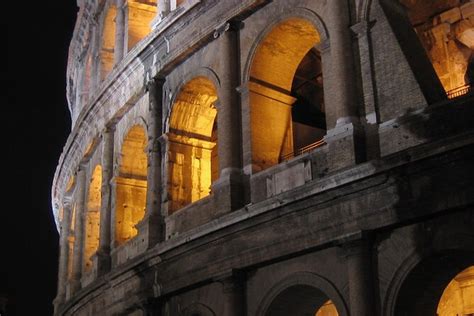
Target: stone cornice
172	256
126	83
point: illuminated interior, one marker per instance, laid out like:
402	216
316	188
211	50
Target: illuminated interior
131	185
108	42
328	309
193	161
447	34
92	218
140	15
286	93
301	299
458	297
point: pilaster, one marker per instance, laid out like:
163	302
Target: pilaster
103	253
358	255
120	31
228	188
63	253
151	228
79	231
233	293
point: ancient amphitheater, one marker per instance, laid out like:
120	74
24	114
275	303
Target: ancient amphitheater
258	157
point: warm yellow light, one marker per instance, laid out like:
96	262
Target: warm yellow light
131	185
92	218
140	16
272	72
193	162
328	309
130	207
447	34
458	297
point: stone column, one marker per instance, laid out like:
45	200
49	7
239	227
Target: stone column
359	268
246	131
120	31
152	228
95	67
228	188
165	198
164	7
372	117
342	85
103	253
64	252
345	136
233	292
228	116
79	231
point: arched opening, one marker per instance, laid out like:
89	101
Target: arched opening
108	42
446	32
193	162
131	185
458	296
140	16
436	284
286	94
92	218
301	300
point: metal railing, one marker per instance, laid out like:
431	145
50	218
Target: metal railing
302	150
459	91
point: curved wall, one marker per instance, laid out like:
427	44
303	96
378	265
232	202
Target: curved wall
207	204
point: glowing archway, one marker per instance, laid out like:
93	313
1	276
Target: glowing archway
458	296
286	95
131	185
92	218
428	287
302	300
193	162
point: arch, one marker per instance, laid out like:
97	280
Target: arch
451	252
285	82
302	293
204	72
302	13
107	46
192	131
197	309
422	288
140	16
131	184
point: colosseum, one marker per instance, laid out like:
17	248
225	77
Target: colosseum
268	158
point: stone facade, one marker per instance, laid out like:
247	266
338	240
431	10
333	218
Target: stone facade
254	157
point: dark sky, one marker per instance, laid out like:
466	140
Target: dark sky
35	123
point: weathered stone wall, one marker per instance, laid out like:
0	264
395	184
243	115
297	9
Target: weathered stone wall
383	201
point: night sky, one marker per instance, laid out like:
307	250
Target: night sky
35	124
